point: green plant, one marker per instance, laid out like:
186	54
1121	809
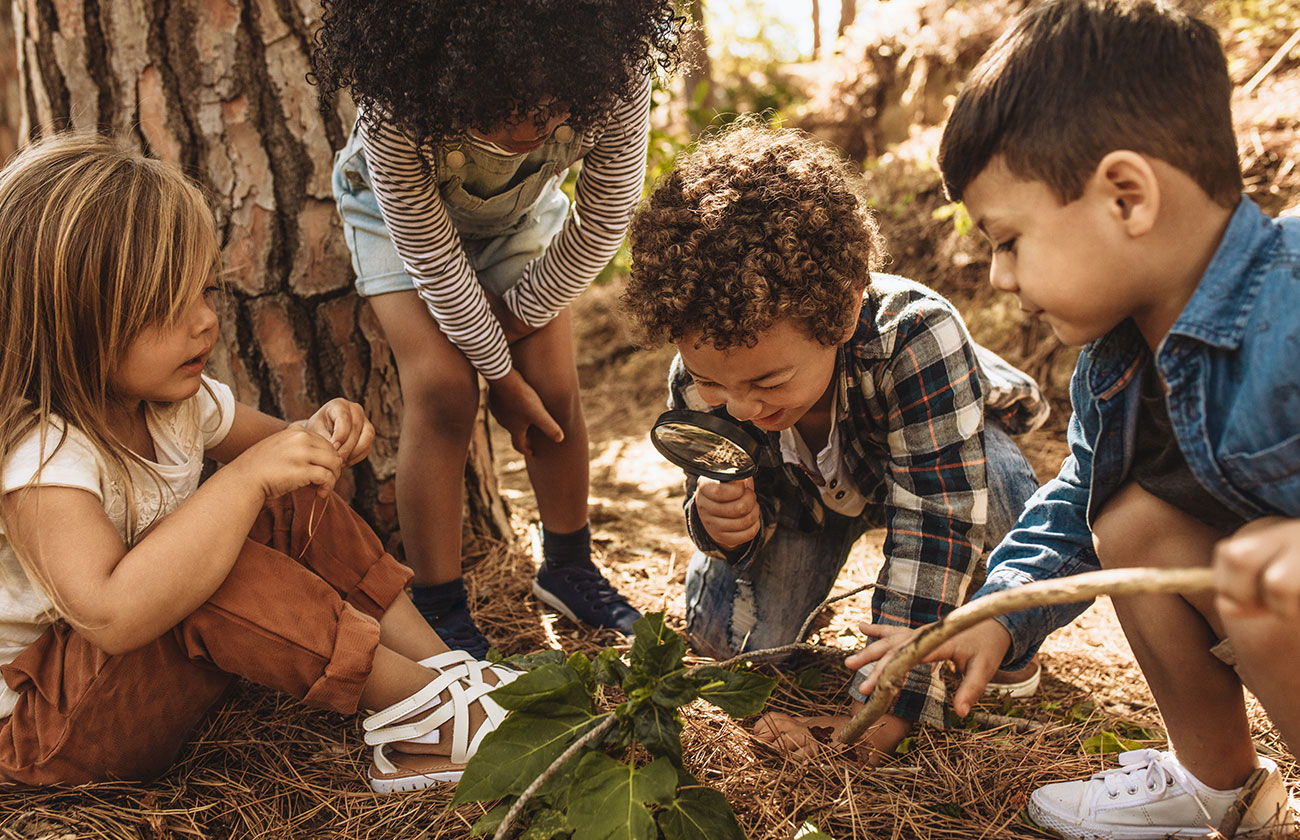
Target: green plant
605	787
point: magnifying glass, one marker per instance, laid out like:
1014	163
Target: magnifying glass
706	445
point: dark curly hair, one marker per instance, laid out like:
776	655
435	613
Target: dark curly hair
752	226
433	68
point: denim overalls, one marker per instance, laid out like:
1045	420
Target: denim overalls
1234	401
506	208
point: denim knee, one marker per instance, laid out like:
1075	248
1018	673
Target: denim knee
1011	481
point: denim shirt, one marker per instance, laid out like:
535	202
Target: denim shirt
1234	403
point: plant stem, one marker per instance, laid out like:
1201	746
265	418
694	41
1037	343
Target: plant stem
518	806
1041	593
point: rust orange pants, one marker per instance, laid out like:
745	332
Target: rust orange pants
296	614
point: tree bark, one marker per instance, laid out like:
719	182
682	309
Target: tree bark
219	88
848	11
699	67
817	28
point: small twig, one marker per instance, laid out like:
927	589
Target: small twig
518	806
1042	593
1021	725
1272	63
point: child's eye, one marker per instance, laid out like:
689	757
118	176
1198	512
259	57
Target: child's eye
1006	246
704	383
768	387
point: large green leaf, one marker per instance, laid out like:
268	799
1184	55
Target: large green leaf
487	824
609	668
548	686
657	649
675	689
607	800
738	693
529	661
699	814
659	730
545	824
517	752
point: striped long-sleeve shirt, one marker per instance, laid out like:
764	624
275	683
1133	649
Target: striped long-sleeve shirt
608	188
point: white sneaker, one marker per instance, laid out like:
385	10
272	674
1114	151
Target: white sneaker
1151	796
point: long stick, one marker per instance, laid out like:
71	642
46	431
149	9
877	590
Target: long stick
1042	593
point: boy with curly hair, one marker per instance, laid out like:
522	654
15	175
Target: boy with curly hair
1093	145
758	257
468	117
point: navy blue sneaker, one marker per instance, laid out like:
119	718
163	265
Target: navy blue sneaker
456	627
581	593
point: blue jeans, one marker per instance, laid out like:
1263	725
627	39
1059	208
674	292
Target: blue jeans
728	613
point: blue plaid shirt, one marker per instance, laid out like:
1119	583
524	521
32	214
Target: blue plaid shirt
913	392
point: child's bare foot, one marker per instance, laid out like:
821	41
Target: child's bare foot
808	736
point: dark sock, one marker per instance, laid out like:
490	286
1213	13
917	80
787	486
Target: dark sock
435	600
567	549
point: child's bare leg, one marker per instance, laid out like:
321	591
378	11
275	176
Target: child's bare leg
405	632
1261	644
559	471
440	397
1200	698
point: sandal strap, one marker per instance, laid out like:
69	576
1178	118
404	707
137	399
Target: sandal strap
410	705
446	659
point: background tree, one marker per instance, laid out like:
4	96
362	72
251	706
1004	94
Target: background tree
219	87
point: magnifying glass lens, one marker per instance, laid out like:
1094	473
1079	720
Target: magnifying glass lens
705	449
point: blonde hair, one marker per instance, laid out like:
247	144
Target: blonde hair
97	243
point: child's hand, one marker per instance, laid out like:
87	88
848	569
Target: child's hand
517	408
1257	569
728	510
977	653
289	460
345	425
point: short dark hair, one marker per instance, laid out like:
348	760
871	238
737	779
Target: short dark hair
1074	80
751	227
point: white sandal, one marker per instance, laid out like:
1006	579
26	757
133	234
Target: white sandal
461	678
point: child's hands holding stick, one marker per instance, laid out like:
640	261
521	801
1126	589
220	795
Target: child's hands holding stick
345	425
977	653
1257	569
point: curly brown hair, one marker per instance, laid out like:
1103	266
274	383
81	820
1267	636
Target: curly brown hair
753	226
434	68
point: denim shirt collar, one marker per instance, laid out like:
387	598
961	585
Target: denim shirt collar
1220	308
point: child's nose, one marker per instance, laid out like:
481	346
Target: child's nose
204	318
1001	277
742	407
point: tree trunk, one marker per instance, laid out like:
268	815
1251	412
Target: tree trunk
817	28
699	68
219	87
848	11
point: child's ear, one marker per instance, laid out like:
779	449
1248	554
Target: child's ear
1127	184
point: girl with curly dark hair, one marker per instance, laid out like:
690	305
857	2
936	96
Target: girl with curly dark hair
469	115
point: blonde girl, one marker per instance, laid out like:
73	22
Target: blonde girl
130	596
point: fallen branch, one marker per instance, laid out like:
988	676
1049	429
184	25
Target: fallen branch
1272	63
503	830
1043	593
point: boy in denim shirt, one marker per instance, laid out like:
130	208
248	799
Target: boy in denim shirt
1093	146
758	257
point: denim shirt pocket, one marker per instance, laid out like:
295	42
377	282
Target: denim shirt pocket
1270	477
